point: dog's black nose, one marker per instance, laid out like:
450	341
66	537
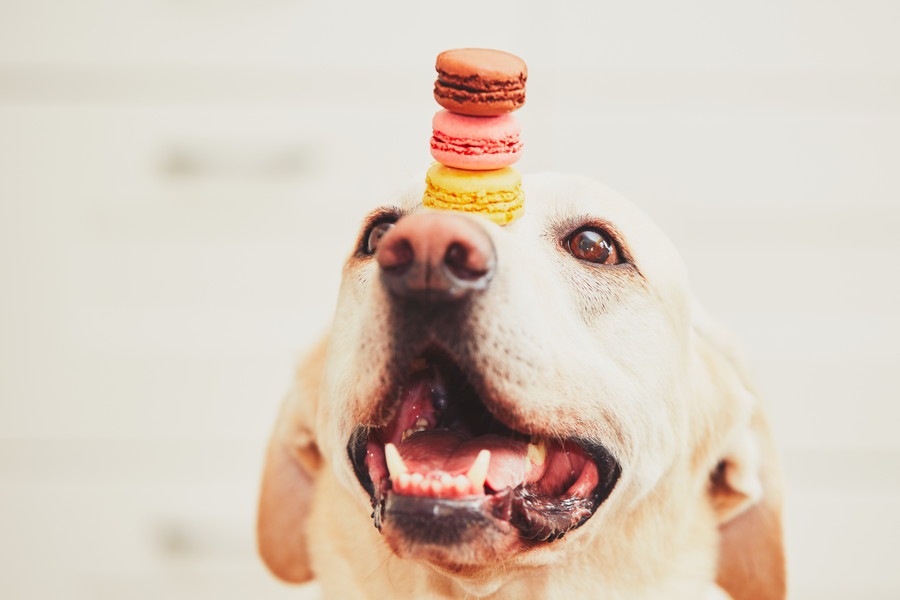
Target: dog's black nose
436	256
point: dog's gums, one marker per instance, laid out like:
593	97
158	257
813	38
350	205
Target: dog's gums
444	465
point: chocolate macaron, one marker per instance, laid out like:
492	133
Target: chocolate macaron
479	82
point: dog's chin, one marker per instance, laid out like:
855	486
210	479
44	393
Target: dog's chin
459	536
452	484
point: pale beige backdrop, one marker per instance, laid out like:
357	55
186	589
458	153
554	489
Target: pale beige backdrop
180	181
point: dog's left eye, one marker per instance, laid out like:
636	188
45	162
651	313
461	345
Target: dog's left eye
375	234
593	245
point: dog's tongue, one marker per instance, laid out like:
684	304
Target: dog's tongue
445	451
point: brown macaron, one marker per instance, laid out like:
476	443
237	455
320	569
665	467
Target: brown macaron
479	82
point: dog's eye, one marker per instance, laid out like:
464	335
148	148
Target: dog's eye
375	234
593	245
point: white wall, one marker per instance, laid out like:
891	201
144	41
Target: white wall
179	183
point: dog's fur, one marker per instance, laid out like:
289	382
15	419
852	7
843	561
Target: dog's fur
623	355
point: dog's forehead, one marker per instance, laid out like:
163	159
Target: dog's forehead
555	196
552	199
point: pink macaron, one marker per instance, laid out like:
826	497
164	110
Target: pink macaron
475	143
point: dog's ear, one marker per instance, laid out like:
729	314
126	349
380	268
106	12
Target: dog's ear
745	485
292	462
746	493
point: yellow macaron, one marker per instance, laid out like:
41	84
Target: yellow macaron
495	194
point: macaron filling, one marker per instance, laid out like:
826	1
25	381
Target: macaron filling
474	146
478	83
460	98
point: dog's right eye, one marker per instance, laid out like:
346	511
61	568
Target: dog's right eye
376	232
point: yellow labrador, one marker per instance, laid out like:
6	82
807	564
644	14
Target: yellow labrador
535	411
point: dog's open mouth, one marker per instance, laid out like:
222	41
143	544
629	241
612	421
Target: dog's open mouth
444	466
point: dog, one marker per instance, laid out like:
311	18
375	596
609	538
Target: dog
540	410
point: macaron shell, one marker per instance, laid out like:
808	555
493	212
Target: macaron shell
473	162
458	181
477	143
481	69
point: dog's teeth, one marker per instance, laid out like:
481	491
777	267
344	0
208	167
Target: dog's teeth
436	487
406	434
395	464
537	454
403	481
416	479
463	485
421	423
479	469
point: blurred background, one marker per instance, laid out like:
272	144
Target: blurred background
180	182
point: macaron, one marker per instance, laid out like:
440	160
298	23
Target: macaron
476	143
495	194
480	82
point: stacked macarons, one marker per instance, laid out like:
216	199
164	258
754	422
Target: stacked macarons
476	138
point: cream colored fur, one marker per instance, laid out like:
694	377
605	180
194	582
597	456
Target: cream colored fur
624	356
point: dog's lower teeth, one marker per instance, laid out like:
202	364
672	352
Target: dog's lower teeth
437	484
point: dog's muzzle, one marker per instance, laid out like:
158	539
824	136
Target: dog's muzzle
443	466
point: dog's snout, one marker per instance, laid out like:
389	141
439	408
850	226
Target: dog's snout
436	256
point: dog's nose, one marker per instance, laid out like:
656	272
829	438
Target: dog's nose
436	256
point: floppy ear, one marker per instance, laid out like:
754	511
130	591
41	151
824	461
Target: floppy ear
746	492
292	461
745	486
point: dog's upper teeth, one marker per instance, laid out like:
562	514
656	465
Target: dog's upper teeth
479	469
395	464
537	454
421	423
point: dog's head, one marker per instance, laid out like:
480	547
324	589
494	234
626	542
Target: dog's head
485	391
